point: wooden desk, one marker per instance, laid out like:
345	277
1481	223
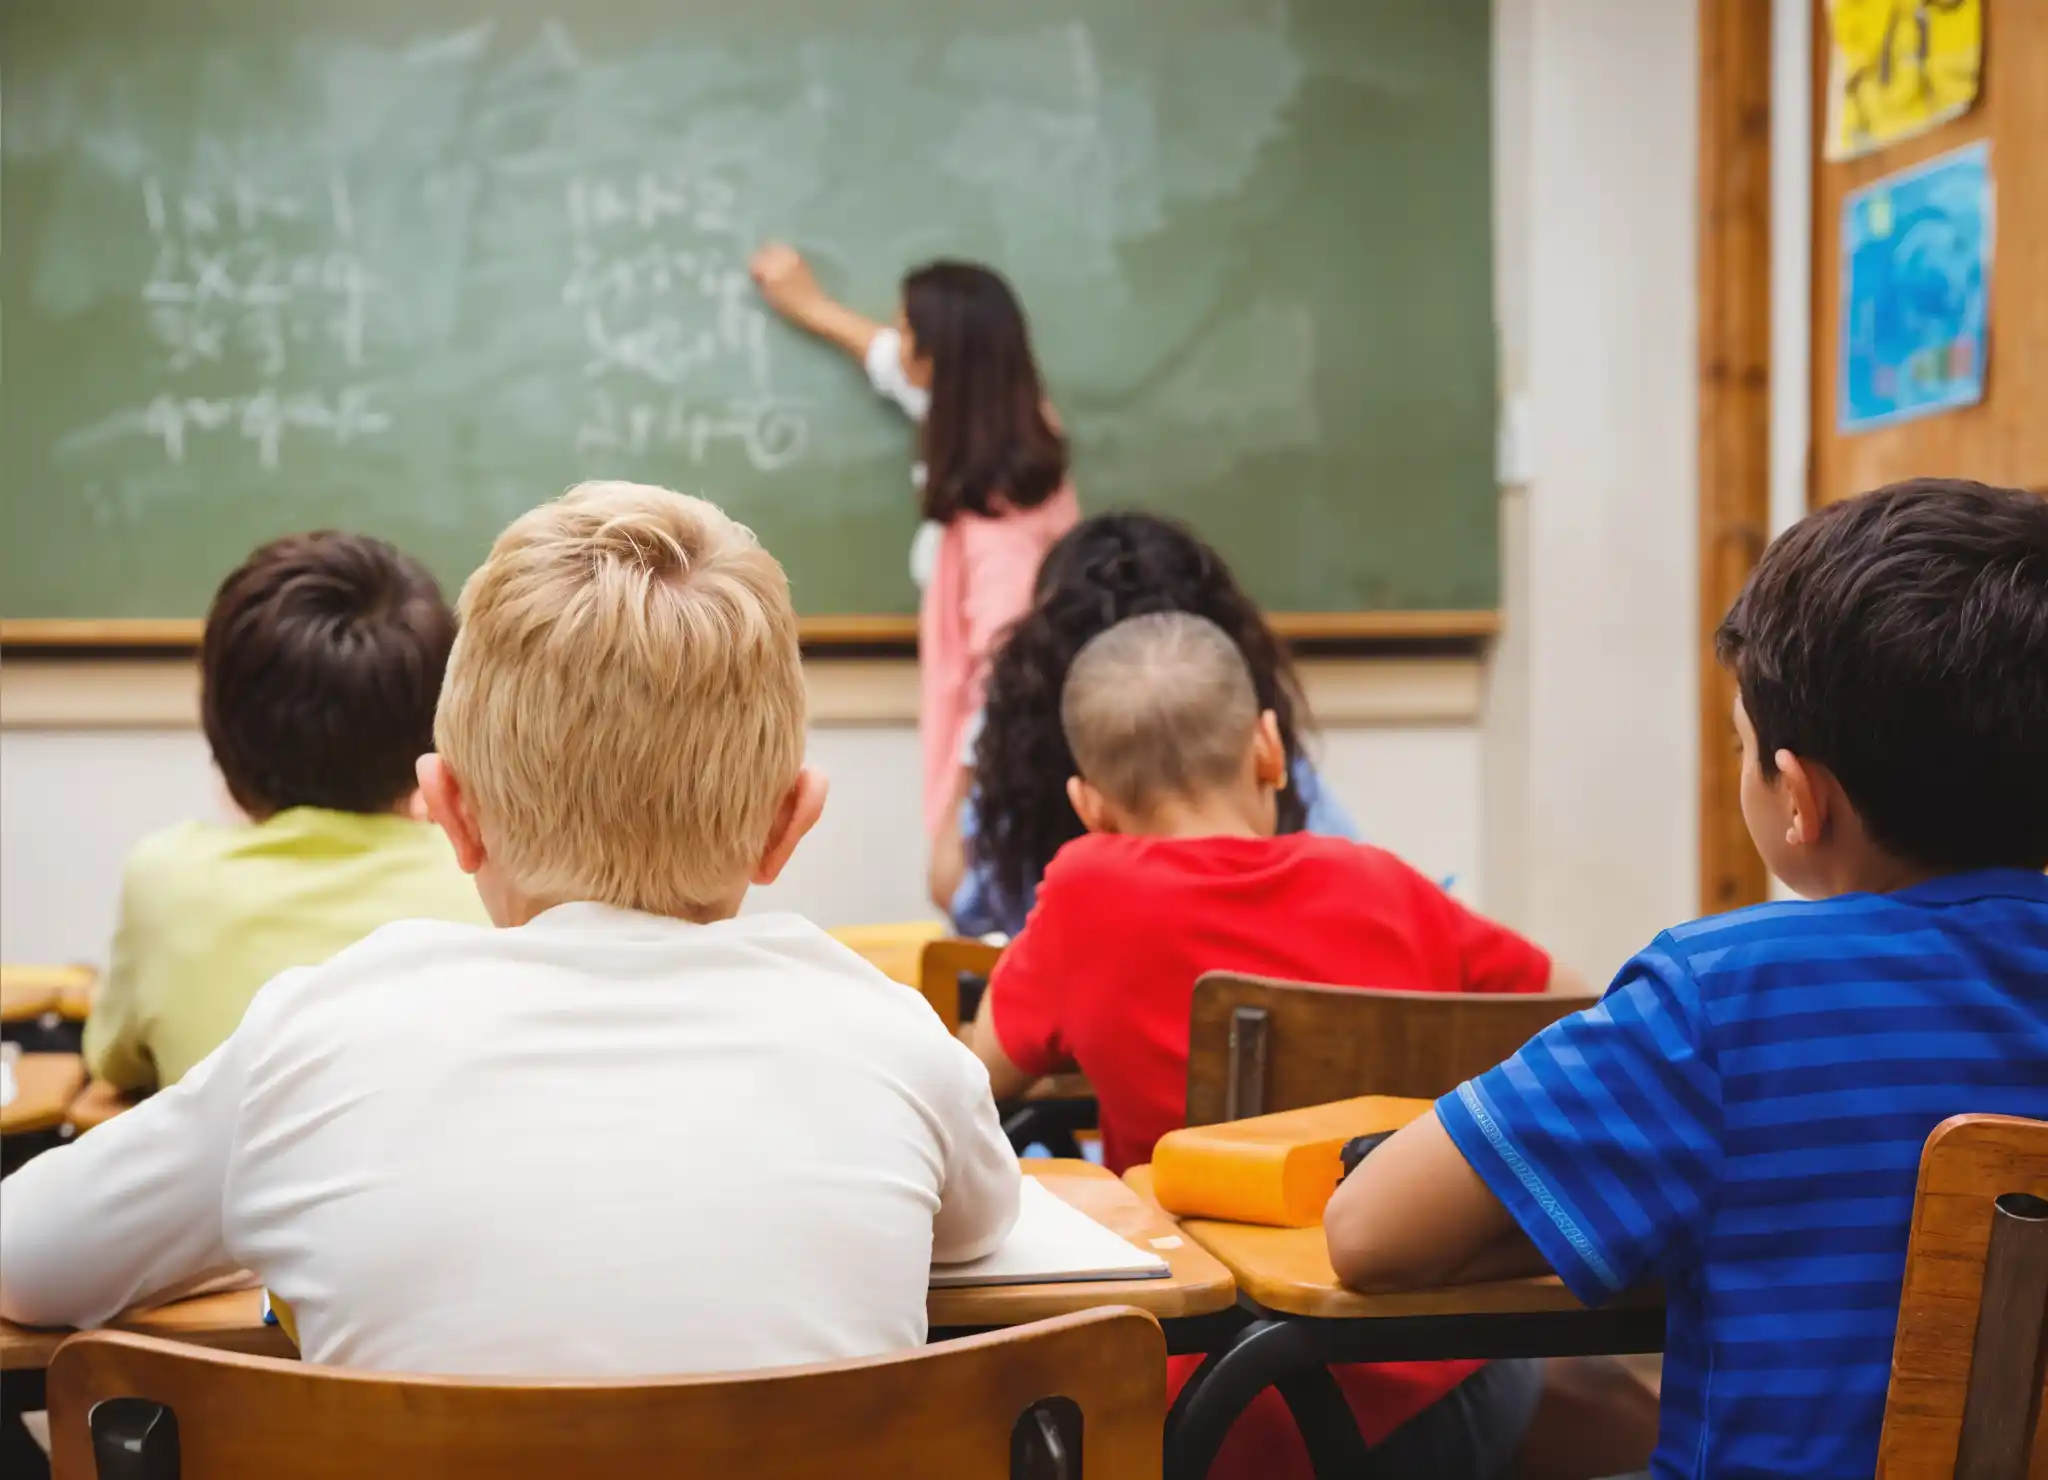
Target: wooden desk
45	1084
1286	1271
26	993
1197	1286
30	991
230	1322
74	1002
96	1105
1302	1321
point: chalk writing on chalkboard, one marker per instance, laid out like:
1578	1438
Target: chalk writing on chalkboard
244	280
668	314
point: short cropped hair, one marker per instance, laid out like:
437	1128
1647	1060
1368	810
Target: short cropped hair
625	704
1159	705
319	667
1901	640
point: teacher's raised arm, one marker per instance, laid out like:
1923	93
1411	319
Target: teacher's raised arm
791	289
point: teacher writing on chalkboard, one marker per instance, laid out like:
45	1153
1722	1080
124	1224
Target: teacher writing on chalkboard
991	474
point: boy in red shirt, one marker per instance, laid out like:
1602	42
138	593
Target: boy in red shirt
1180	874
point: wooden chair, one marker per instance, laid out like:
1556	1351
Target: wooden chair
942	965
892	950
1970	1364
1256	1046
1081	1396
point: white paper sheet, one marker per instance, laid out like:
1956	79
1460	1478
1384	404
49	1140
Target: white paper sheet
1053	1243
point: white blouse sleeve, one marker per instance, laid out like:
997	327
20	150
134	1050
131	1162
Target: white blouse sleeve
885	374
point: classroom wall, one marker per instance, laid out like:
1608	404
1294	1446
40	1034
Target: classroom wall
1591	751
1558	781
91	761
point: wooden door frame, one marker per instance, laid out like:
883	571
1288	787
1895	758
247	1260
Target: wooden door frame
1734	403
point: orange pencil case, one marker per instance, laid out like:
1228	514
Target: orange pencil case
1277	1170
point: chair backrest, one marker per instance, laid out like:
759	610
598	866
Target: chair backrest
1256	1047
1081	1396
943	964
892	950
1970	1364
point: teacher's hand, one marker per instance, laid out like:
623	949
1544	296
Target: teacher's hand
784	278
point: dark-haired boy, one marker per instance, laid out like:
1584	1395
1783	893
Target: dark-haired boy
319	669
1743	1115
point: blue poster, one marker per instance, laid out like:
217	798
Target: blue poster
1916	283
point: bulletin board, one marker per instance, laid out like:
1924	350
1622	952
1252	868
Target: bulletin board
2003	438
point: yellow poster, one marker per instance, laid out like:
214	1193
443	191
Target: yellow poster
1898	68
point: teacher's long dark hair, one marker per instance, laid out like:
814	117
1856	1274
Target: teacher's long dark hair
987	440
1104	570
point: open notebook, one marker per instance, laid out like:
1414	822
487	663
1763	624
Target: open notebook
1053	1242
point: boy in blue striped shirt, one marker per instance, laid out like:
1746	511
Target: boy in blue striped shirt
1742	1115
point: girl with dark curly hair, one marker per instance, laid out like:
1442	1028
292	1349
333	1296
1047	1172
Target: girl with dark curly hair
1104	570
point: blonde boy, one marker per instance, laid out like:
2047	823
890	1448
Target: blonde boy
625	1132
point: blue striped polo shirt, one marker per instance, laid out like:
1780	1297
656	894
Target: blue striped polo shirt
1741	1116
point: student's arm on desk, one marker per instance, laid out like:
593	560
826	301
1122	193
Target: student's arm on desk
1600	1141
1415	1215
132	1210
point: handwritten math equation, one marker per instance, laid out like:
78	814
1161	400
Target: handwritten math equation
246	284
262	304
676	340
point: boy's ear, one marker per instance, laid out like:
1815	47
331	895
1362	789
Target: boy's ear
802	805
1091	806
440	795
1269	753
1808	790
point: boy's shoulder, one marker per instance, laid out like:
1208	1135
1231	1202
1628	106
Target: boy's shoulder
1785	939
166	858
1125	871
399	948
1091	857
1725	948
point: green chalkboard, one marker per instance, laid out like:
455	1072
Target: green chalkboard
412	266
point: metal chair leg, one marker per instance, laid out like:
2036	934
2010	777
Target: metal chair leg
1329	1430
1267	1353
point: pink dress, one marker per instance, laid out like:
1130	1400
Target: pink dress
981	582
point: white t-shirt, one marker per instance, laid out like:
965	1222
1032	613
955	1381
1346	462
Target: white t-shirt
602	1144
885	374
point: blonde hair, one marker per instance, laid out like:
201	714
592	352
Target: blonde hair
624	706
1159	705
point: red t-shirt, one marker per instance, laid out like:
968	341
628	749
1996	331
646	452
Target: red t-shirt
1104	973
1105	969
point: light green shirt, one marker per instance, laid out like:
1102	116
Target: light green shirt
210	913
